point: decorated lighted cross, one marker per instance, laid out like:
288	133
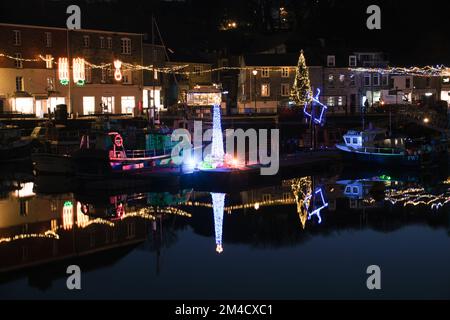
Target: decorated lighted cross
317	110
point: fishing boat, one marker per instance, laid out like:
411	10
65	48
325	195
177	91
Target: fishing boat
372	146
55	144
13	146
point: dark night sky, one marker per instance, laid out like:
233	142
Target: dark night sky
412	33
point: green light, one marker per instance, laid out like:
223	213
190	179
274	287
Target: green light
68	204
81	83
65	82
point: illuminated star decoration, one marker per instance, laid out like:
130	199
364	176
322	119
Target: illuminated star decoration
312	199
315	103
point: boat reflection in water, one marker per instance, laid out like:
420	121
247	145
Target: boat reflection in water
45	233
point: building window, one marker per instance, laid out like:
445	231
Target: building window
243	91
428	82
155	74
198	69
127	77
109	42
331	61
352	61
266	197
125	46
48	61
285	73
19	84
48	39
331	79
108	104
342	79
330	101
385	80
340	101
376	79
408	83
352	80
265	90
265	73
17	38
128	105
367	80
88	73
86	41
18	62
104	75
50	84
285	90
102	42
88	105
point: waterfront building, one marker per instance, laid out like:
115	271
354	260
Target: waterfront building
32	86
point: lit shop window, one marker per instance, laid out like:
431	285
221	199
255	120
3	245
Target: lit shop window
23	105
108	104
88	105
128	105
54	101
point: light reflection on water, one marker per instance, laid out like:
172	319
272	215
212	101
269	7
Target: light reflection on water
309	237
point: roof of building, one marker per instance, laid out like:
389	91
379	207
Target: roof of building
280	60
65	29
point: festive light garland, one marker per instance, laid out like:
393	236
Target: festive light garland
118	73
427	71
63	70
47	235
79	71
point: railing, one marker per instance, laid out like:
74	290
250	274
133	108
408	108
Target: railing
141	154
380	150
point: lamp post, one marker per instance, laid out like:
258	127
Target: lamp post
255	73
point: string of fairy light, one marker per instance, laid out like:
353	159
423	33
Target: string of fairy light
426	71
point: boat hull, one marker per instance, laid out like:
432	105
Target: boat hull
390	160
17	151
52	164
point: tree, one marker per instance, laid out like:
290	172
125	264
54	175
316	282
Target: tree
301	91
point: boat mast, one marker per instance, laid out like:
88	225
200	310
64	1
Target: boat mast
153	72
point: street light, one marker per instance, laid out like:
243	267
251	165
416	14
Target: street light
255	73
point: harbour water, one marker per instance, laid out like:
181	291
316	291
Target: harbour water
312	237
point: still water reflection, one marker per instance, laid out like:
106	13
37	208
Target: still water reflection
309	237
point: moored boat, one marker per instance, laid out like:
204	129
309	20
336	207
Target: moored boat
13	146
373	147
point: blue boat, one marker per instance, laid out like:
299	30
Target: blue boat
373	147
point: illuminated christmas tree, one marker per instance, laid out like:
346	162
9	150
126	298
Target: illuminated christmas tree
218	206
301	92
